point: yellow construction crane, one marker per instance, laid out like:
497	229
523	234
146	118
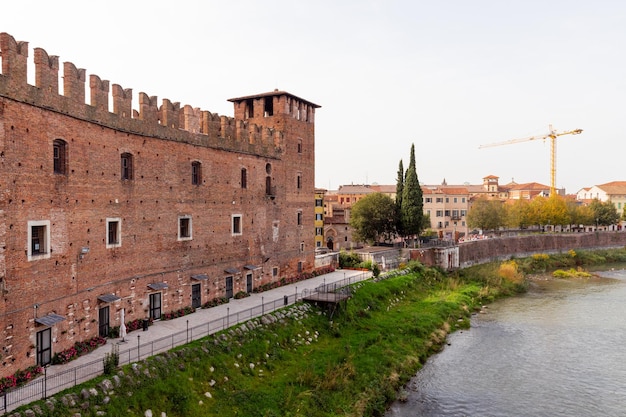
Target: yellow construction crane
552	135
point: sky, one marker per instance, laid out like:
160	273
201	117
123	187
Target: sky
446	76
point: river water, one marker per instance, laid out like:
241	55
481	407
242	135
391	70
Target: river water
559	350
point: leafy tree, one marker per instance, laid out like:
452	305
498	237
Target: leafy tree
580	213
486	214
412	209
518	214
556	210
399	191
604	213
373	218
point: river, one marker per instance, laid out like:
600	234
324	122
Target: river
558	350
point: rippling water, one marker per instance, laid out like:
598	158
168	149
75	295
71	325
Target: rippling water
559	350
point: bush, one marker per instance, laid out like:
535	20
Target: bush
348	260
79	349
241	294
178	313
20	377
215	302
111	360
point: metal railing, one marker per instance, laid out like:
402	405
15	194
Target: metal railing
47	385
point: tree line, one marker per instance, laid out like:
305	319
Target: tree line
555	210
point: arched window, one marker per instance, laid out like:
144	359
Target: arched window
59	148
127	166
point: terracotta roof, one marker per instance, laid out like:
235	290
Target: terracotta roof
530	186
355	189
388	189
271	94
615	187
455	190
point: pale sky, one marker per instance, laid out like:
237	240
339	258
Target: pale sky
447	76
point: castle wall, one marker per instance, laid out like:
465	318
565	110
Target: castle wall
77	207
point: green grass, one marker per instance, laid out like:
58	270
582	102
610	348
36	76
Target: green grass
352	365
309	365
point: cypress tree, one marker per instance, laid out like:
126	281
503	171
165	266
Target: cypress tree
412	209
399	191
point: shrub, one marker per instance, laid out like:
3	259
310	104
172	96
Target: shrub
20	377
79	349
241	294
111	360
215	302
348	260
178	313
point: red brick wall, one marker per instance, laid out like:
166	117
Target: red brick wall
77	205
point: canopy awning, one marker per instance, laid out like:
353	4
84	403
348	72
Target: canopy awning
49	319
252	267
200	277
158	286
108	298
231	270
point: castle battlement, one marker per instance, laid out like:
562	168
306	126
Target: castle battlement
246	132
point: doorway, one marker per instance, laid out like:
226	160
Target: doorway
44	346
229	287
196	296
103	327
155	306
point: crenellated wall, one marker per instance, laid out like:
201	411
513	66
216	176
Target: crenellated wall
170	120
105	208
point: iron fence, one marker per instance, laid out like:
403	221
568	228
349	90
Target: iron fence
47	385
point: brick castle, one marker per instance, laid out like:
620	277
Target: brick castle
104	208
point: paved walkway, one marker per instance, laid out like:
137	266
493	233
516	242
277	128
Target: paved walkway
140	344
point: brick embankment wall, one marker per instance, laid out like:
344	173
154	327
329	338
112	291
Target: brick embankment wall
487	250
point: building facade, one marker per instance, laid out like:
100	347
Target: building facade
145	211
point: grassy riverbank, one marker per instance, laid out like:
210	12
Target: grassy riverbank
305	363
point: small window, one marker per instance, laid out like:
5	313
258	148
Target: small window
300	264
299	181
319	202
275	271
38	240
196	173
59	149
299	145
244	178
319	231
318	216
127	166
301	248
268	185
236	224
184	228
299	219
114	232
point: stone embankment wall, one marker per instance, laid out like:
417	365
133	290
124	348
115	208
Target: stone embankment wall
487	250
501	248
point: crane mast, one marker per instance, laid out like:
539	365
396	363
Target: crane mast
553	135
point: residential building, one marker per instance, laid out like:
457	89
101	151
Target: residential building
614	191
